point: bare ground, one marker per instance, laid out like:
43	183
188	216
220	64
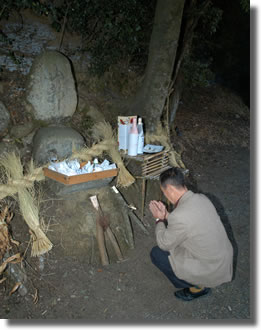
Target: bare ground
213	127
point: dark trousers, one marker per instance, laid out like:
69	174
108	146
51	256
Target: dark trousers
160	259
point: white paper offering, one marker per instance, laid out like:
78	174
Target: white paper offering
73	167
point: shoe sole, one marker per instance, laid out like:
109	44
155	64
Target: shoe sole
202	296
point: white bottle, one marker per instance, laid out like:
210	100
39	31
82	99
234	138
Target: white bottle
133	139
141	137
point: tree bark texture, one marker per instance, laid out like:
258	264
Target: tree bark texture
150	99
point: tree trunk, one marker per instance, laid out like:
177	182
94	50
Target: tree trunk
175	98
151	97
191	22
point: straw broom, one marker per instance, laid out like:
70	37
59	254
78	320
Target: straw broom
17	183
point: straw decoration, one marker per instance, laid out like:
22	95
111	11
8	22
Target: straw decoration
87	154
161	136
103	130
22	185
41	244
14	182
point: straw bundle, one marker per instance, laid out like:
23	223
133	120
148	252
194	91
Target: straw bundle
106	142
41	244
87	154
23	186
33	173
4	233
103	130
125	179
161	136
13	181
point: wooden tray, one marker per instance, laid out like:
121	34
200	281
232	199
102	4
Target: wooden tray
79	178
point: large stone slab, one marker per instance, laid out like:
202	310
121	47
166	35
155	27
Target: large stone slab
51	88
56	142
4	118
59	189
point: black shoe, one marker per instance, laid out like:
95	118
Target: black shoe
187	295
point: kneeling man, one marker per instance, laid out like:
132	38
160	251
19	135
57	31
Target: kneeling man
193	249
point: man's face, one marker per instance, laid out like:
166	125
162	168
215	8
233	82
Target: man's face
168	192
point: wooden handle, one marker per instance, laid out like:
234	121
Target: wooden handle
101	245
114	243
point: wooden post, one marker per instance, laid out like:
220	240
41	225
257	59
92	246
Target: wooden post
143	194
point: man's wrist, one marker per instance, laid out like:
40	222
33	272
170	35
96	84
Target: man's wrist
159	220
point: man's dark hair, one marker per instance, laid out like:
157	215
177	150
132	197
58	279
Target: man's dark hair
174	177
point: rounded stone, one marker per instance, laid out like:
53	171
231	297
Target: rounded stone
57	142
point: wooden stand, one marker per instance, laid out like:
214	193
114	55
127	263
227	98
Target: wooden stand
150	166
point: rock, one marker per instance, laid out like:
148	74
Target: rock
60	190
4	118
28	139
20	131
51	87
7	147
55	142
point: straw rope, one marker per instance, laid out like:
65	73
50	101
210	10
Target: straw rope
103	130
98	149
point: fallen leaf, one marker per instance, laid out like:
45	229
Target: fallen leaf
16	286
15	242
35	297
2	280
3	266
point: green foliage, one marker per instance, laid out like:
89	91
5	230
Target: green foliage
245	5
38	6
112	30
197	63
197	73
211	20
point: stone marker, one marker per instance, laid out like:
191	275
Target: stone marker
55	141
4	118
51	92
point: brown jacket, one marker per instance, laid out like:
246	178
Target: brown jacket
200	251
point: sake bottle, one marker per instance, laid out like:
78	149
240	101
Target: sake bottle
140	137
133	139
